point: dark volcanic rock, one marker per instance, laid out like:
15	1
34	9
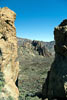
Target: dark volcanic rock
40	48
56	82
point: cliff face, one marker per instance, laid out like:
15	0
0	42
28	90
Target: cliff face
9	66
56	82
48	45
42	50
34	47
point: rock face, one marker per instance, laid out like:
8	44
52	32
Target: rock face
40	48
35	46
48	45
9	66
55	85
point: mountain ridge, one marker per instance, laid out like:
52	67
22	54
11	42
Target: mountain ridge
33	67
49	45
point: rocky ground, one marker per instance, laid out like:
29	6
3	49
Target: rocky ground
33	69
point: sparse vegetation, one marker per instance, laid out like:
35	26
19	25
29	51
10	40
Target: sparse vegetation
2	82
10	98
33	71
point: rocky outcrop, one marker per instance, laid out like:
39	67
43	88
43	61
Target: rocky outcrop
48	45
40	48
56	82
34	47
27	45
9	66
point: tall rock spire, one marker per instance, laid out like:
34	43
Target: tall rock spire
9	66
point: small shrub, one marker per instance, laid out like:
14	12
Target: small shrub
10	98
2	81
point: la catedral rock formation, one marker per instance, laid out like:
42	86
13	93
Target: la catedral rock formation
36	46
9	66
40	48
56	82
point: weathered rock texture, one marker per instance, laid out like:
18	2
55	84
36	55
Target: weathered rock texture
40	48
56	82
9	66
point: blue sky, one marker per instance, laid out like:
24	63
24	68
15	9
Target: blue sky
36	19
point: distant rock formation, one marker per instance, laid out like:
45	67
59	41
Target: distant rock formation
48	45
56	82
9	66
40	48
